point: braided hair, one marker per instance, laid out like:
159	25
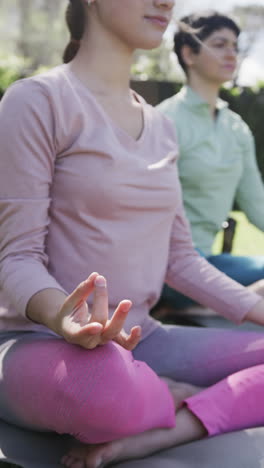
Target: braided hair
75	20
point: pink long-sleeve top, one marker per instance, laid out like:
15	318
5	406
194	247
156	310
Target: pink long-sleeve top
78	194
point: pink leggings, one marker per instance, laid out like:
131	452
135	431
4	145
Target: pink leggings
233	403
105	394
95	396
229	362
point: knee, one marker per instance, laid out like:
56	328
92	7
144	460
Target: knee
106	395
95	392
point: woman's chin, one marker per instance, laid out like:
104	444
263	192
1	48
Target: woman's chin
149	44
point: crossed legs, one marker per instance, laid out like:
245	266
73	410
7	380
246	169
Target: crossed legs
202	357
199	356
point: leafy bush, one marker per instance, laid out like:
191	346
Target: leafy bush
12	67
249	103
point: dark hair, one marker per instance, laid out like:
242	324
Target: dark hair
196	27
75	19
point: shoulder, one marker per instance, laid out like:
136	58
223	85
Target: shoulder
37	105
34	91
171	105
238	126
31	90
49	100
236	121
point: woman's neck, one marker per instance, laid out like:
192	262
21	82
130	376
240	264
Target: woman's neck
207	90
103	64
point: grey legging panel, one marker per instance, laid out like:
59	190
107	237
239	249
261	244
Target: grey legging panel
201	356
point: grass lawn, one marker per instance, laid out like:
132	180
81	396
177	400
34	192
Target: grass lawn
248	239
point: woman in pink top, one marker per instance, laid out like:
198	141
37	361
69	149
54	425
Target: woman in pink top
88	182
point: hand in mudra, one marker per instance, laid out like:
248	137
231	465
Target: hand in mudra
89	329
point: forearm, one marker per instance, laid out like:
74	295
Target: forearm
44	306
212	288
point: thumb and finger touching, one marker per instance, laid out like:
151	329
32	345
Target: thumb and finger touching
96	328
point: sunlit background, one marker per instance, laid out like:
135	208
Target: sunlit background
33	35
250	16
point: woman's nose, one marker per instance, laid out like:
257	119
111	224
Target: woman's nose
165	4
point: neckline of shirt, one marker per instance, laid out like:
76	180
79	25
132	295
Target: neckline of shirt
106	116
190	97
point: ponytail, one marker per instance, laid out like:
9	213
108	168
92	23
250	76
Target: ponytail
75	19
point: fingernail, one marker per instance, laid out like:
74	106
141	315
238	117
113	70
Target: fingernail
126	306
92	275
100	281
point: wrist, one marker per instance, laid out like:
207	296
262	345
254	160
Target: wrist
256	313
44	307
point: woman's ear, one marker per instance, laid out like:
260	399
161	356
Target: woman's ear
187	55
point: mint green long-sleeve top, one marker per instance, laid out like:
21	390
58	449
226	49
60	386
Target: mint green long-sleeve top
217	165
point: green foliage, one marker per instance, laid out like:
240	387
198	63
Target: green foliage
248	239
34	29
249	103
12	67
157	64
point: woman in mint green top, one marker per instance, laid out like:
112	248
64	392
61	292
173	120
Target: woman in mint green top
217	163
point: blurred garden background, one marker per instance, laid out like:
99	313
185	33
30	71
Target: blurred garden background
33	36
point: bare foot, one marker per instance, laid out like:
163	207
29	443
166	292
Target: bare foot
93	456
188	428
